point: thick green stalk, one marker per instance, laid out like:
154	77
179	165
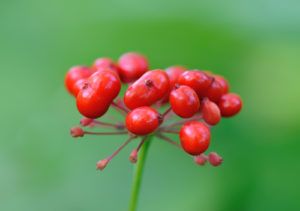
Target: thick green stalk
137	179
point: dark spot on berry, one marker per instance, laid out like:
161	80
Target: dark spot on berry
85	85
176	86
149	83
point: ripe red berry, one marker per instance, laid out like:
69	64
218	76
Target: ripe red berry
194	137
214	91
148	89
142	120
75	78
100	90
210	112
223	82
230	104
197	80
104	64
173	73
132	66
184	101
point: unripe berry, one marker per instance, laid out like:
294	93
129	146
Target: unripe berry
142	120
200	159
197	80
230	104
184	101
194	137
95	98
86	121
76	132
75	79
102	164
133	156
147	90
210	112
215	159
132	66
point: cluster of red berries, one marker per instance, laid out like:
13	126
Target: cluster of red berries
200	98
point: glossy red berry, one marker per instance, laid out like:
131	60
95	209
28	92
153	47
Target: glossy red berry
184	101
230	104
100	90
194	137
104	63
132	66
75	78
214	91
223	82
173	73
210	112
147	90
142	120
197	80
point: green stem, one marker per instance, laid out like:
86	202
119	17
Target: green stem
138	174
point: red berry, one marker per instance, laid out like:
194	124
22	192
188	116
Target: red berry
78	85
214	91
75	78
142	120
215	159
90	105
210	112
148	89
184	101
197	80
194	137
223	82
230	104
173	73
132	66
95	98
104	64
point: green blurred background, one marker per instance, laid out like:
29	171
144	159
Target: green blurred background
255	44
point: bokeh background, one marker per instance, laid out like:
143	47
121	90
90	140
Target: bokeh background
255	44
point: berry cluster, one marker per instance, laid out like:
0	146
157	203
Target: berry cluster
199	98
